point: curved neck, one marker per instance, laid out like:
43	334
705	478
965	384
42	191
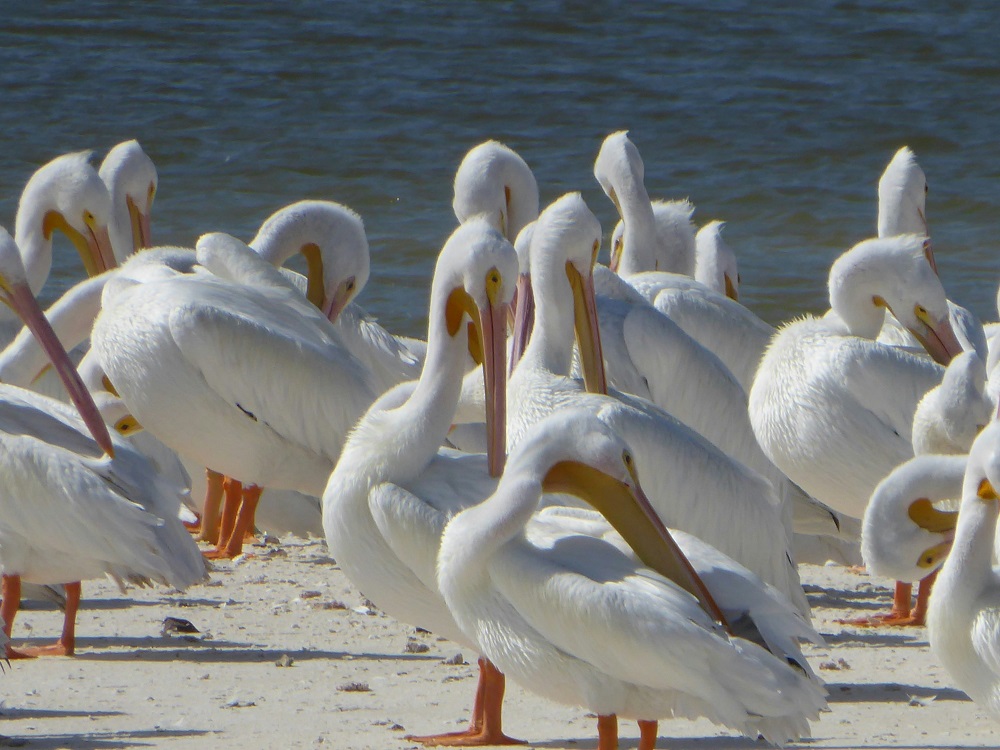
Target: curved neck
639	250
551	344
854	287
36	248
419	426
970	562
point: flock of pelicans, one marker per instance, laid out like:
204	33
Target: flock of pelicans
607	505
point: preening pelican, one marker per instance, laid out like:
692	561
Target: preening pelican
66	194
907	538
574	618
332	239
951	414
691	483
131	179
831	407
963	621
246	378
721	325
716	266
676	247
392	491
494	182
76	503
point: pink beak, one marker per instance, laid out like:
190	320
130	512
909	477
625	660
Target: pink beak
24	304
524	318
100	248
145	233
493	323
333	307
940	341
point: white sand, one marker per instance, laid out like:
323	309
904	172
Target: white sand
129	686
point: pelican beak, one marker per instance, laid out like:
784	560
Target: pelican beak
336	304
588	334
614	199
923	513
493	340
928	250
141	235
731	290
488	347
616	254
937	337
986	491
524	318
99	246
21	300
628	510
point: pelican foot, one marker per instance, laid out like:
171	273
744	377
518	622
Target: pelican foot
886	620
469	738
30	652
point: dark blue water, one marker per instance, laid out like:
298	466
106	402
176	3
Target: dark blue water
775	117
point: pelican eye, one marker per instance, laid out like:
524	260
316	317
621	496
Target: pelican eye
88	218
618	243
628	460
350	285
927	188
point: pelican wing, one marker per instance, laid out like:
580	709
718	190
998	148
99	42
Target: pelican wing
887	383
986	636
237	356
412	518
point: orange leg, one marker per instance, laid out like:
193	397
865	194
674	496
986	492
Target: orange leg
899	615
244	520
919	615
647	735
230	511
607	732
66	644
486	726
210	511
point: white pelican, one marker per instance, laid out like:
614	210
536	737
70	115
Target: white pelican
494	182
66	194
962	620
951	414
131	179
902	209
905	537
574	618
392	491
691	483
676	247
76	504
332	239
723	326
246	378
833	408
716	266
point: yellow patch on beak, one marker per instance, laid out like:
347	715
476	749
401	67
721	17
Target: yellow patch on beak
923	513
986	491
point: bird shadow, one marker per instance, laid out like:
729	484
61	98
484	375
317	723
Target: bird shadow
101	740
13	713
212	651
889	692
873	637
110	604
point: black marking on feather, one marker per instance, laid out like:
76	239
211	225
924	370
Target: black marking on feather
247	412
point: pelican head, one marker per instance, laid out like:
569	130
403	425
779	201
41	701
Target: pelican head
565	244
131	178
902	196
893	273
618	163
906	535
16	294
332	239
475	276
575	453
68	194
951	415
982	473
716	265
494	182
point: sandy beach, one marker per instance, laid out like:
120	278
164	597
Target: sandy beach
290	655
